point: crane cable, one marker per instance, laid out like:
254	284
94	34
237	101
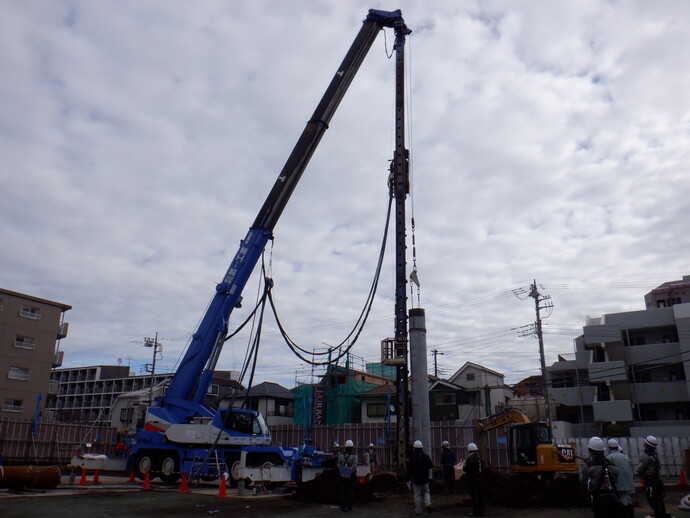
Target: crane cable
361	320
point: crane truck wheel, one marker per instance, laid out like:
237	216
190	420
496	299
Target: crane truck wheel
170	468
143	462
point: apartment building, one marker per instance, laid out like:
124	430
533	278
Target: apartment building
631	368
87	394
30	330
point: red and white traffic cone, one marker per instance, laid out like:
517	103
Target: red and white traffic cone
96	480
183	486
147	482
222	490
82	480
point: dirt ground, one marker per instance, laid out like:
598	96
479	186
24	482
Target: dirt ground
130	501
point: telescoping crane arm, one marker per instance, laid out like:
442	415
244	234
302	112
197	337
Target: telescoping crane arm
190	383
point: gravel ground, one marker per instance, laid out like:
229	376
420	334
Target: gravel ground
122	500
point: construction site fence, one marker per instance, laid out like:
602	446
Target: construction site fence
22	442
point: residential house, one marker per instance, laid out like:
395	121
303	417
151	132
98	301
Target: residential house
275	402
492	394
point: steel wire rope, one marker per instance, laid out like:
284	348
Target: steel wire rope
361	320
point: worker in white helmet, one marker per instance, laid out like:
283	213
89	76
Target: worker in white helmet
650	470
419	469
347	467
448	462
474	470
370	458
601	477
625	485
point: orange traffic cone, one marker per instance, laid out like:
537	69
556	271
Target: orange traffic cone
183	486
221	490
682	481
132	476
96	480
82	481
147	482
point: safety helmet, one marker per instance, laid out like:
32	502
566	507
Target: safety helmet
445	444
613	444
472	447
418	444
371	445
596	444
349	444
651	441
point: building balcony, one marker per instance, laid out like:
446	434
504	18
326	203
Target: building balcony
662	392
609	411
57	359
62	330
572	396
607	371
661	353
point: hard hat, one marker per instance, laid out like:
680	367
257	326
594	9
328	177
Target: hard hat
418	444
336	445
472	447
445	444
651	441
371	445
613	444
596	444
349	444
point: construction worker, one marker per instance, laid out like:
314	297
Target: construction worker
448	462
601	476
419	471
474	468
347	466
625	485
370	459
650	471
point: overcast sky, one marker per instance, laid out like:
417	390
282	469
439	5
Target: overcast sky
549	141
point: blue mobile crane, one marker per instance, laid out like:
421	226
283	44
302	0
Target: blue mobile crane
180	433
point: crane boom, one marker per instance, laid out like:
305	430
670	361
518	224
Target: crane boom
185	394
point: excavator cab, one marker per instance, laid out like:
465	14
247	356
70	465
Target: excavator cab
532	449
524	440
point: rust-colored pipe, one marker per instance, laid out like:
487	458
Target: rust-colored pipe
29	477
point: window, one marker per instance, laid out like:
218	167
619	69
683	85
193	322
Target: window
213	390
444	398
603	392
30	312
18	373
126	415
376	410
24	342
598	354
470	376
12	405
241	422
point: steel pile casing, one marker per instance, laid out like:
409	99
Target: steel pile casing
30	477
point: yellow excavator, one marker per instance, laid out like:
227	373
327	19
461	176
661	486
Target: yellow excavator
530	444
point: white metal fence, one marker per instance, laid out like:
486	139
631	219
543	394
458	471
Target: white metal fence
671	451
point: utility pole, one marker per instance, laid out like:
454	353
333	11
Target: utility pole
539	299
157	347
436	353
